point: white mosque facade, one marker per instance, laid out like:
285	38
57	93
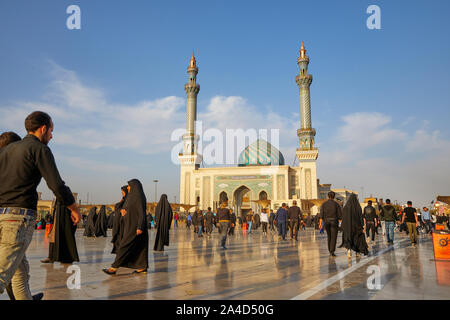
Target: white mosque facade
261	173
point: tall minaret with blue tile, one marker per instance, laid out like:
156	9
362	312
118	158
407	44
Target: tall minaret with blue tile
306	133
190	159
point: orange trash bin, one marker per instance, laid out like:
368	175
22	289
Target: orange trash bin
441	245
48	228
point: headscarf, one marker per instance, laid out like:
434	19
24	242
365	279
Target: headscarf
353	236
163	219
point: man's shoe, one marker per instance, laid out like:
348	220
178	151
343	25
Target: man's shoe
38	296
332	254
349	253
224	248
47	260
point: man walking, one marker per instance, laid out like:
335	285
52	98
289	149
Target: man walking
390	217
330	214
294	216
224	217
426	218
281	220
271	220
200	222
412	222
370	220
22	166
250	221
209	220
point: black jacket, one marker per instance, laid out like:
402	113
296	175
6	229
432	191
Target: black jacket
22	166
330	210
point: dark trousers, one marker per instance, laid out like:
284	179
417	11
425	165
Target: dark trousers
264	226
282	229
231	232
293	225
331	226
223	229
272	227
370	225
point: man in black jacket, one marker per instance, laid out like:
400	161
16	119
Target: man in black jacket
294	218
22	166
390	218
370	220
331	213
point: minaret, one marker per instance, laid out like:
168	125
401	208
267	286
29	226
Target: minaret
306	133
192	89
190	160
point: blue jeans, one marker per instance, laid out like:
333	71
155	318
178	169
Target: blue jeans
250	227
390	230
282	229
224	227
199	230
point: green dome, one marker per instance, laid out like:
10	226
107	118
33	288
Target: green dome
261	153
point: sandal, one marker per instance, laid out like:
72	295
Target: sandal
137	271
108	271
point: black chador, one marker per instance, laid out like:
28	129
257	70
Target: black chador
352	227
209	220
111	220
163	219
89	229
101	225
117	220
133	243
63	247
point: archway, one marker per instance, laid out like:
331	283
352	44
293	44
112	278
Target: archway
242	201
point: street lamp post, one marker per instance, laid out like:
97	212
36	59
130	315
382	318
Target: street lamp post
156	190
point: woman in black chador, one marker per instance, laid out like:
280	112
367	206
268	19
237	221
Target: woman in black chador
101	225
163	219
117	219
353	237
89	229
62	247
133	243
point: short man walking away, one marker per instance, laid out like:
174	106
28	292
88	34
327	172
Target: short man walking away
294	216
224	217
370	220
209	220
281	219
390	218
426	218
22	166
330	214
271	220
412	222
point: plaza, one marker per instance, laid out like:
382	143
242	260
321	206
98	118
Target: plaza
254	267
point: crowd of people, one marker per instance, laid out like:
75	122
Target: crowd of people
24	162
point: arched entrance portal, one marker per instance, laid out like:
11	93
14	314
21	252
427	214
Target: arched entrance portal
242	201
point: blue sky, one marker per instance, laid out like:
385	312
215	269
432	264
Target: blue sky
380	98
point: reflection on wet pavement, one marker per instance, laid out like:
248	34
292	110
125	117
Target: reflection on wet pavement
253	267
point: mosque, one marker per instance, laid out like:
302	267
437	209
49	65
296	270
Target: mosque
261	173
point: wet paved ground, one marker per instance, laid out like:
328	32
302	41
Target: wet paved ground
253	267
